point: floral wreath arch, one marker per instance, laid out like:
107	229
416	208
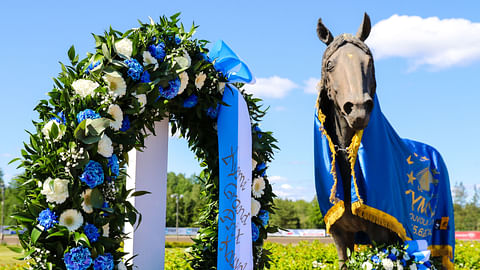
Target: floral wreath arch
101	107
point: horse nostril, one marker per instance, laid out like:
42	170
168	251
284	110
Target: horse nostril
347	108
369	106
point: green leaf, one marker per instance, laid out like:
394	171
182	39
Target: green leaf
71	53
35	235
95	127
106	52
140	193
23	217
182	62
15	249
96	198
81	237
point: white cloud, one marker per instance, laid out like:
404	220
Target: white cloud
272	87
287	191
310	85
277	179
430	42
6	155
280	108
286	186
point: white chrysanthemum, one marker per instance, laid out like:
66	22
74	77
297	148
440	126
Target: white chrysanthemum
387	264
56	190
183	82
105	147
72	219
367	266
121	266
85	87
200	80
255	207
116	112
124	47
148	59
187	56
221	87
142	99
87	202
48	127
116	84
258	187
106	230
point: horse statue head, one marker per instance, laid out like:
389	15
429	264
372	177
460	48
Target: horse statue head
348	75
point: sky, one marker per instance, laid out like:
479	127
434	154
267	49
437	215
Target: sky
427	62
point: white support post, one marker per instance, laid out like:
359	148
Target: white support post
147	171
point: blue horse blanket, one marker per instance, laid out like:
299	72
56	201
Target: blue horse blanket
397	183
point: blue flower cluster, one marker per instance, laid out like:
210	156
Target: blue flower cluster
103	262
259	132
172	90
190	102
264	216
113	165
255	232
213	112
261	168
78	258
125	123
91	232
91	67
87	114
60	119
93	174
47	219
135	70
178	40
145	77
157	51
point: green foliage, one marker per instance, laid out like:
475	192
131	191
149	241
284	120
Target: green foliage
61	151
189	206
467	213
298	214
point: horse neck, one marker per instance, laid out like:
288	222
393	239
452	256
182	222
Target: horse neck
341	135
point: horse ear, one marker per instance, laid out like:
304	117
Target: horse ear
364	29
323	33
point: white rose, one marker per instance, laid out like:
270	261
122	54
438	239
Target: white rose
124	47
255	207
142	99
183	82
105	147
367	266
116	112
84	87
387	264
56	190
200	80
48	127
87	203
116	84
148	59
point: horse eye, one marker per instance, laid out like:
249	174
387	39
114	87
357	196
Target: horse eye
330	65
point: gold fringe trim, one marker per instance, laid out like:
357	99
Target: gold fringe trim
379	217
334	214
444	251
352	157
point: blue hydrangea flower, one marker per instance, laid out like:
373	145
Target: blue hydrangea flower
113	165
427	264
375	259
260	167
47	219
264	216
255	232
172	90
93	174
213	112
135	70
157	51
190	102
91	232
404	263
145	77
392	257
87	114
125	123
61	116
91	67
105	205
103	262
259	132
178	40
78	258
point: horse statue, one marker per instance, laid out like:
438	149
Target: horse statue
354	141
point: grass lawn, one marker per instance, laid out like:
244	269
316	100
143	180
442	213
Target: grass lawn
7	259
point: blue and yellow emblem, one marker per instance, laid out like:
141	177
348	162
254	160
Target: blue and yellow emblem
397	183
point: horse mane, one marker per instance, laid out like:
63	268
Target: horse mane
324	103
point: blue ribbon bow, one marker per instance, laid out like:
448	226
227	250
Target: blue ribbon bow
227	62
418	249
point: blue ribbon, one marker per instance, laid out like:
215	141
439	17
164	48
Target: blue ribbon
418	249
227	62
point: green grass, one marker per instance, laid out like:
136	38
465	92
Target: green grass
7	259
